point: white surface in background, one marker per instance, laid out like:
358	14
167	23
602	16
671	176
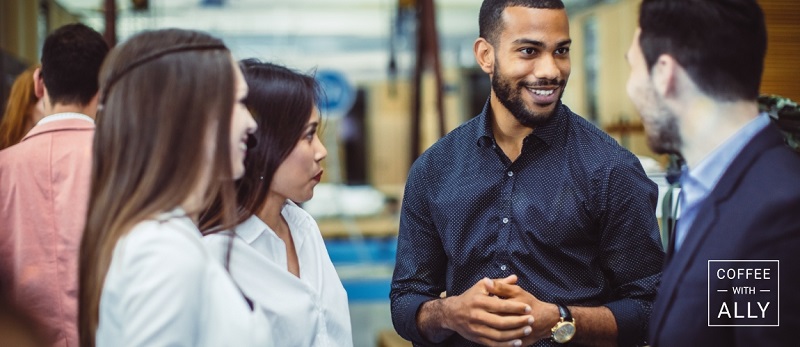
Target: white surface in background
332	200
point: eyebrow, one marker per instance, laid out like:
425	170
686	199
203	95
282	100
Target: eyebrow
540	43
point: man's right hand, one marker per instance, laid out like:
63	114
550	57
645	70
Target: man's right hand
477	316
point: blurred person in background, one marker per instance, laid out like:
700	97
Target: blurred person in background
23	110
280	257
171	134
17	327
533	196
44	184
696	88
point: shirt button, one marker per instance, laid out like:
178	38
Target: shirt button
510	173
505	220
503	267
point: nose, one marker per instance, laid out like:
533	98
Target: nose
320	151
546	68
251	124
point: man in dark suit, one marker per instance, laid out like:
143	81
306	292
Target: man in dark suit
696	68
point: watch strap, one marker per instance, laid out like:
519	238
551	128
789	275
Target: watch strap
564	312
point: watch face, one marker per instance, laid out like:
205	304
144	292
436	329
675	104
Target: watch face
564	332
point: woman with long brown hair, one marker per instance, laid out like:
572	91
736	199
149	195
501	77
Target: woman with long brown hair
281	261
171	132
23	109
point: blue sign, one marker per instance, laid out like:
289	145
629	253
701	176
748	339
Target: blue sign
338	95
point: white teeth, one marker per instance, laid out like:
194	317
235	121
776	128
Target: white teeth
242	146
543	92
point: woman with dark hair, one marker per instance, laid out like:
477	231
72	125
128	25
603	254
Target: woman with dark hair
171	133
281	261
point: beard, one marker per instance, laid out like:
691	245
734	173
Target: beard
511	97
660	124
665	137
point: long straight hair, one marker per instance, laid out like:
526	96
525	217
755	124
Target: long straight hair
166	97
280	100
17	119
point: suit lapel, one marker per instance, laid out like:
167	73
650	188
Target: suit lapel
707	217
679	261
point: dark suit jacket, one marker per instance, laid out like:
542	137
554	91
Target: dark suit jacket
752	213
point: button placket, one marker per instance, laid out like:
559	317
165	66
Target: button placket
504	218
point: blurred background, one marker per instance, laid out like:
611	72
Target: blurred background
398	74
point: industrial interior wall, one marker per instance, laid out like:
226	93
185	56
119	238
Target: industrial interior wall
18	29
388	124
781	69
19	26
609	29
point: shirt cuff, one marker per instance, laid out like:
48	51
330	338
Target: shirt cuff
631	321
406	325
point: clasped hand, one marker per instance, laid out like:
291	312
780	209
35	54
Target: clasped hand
499	313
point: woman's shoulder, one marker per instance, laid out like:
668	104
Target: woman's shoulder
178	231
171	245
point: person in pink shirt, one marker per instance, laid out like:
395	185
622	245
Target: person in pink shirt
44	185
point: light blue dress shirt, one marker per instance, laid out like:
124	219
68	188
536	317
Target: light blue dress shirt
697	183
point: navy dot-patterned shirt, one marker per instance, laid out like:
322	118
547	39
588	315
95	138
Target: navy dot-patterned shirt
573	217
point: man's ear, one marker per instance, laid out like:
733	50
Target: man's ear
38	83
664	74
484	55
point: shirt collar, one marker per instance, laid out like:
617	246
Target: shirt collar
547	132
484	135
706	174
253	227
63	116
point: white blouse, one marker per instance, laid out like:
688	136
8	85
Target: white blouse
163	288
308	311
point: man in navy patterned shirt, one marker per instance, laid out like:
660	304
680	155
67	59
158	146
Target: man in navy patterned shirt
539	227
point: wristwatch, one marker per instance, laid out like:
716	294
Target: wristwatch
564	330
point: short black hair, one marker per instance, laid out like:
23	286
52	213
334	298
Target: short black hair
720	43
490	17
71	60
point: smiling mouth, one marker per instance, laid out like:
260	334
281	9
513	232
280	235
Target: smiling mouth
543	92
544	95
